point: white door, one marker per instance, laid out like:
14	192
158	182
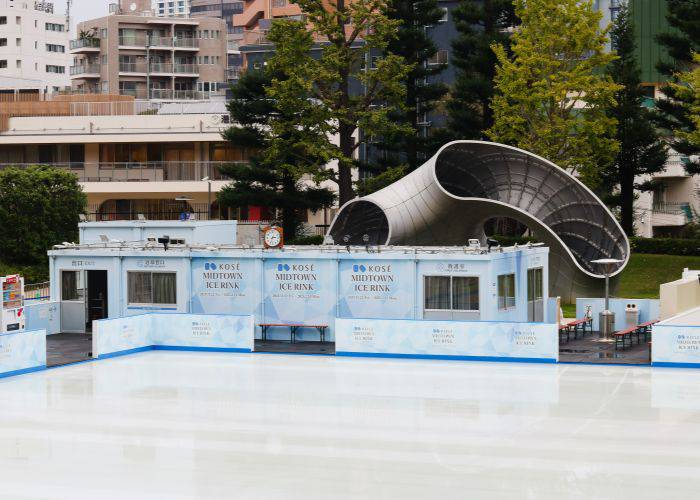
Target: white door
73	316
535	296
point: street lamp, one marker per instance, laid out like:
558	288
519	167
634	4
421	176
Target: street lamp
208	180
607	317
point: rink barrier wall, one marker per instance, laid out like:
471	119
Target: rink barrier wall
182	332
22	352
473	341
676	346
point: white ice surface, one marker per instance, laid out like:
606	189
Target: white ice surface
197	425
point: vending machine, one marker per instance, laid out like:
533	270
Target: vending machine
12	311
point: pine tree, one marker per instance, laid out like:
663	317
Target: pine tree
355	35
480	24
642	151
675	113
551	96
414	45
285	166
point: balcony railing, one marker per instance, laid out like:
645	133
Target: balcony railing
163	67
160	41
186	43
85	43
130	67
234	73
133	40
186	68
85	69
160	171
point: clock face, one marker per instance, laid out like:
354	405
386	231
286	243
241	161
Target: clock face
273	237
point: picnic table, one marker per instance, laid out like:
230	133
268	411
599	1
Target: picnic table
642	332
575	327
293	329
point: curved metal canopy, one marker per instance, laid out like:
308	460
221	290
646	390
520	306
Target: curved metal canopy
448	199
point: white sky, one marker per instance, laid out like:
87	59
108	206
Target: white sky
84	9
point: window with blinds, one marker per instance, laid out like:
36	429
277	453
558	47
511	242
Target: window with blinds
451	293
152	288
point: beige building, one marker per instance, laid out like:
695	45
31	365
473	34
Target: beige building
133	52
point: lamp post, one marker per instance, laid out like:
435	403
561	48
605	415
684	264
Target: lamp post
208	180
607	317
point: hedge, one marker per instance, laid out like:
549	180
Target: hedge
667	246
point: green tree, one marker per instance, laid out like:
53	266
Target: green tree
350	83
410	144
39	208
641	151
480	24
286	163
551	94
688	90
675	108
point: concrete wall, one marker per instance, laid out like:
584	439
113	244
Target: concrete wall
679	296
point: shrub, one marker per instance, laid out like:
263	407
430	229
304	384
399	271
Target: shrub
668	246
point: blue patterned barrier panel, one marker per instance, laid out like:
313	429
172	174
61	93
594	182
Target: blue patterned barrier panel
22	352
536	342
674	345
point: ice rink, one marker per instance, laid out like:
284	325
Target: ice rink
199	425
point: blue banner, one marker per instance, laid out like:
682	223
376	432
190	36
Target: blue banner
225	286
504	341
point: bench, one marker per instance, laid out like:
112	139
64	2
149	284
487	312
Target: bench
575	327
642	333
293	329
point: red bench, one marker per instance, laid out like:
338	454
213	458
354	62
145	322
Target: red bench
642	332
575	327
293	328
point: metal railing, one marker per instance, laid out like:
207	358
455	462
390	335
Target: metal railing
234	73
676	208
197	211
85	43
160	67
133	41
37	292
186	43
85	69
129	67
186	68
160	41
158	171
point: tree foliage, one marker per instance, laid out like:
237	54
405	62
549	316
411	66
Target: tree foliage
551	94
480	24
351	82
39	208
287	160
688	91
410	144
675	108
642	151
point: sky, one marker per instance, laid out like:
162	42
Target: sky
84	9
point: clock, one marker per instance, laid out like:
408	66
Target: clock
273	237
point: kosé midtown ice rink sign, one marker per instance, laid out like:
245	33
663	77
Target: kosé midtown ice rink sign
223	286
299	290
376	289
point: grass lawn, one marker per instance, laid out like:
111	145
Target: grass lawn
643	275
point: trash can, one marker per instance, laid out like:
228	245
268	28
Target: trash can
631	315
606	320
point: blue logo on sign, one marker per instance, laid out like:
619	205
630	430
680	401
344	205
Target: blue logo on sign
283	267
210	266
359	269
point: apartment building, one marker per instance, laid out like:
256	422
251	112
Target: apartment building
33	47
171	8
133	52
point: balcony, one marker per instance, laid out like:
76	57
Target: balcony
671	214
156	42
133	41
186	69
133	67
186	43
234	73
89	70
83	45
163	68
675	167
159	171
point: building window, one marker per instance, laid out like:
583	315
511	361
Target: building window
445	15
50	68
3	42
18	20
3	63
55	27
3	19
455	293
18	42
440	57
151	288
72	286
19	64
51	47
506	291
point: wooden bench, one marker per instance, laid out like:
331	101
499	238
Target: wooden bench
575	327
293	329
642	332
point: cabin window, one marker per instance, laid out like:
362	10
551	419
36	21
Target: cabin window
454	293
151	288
506	291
